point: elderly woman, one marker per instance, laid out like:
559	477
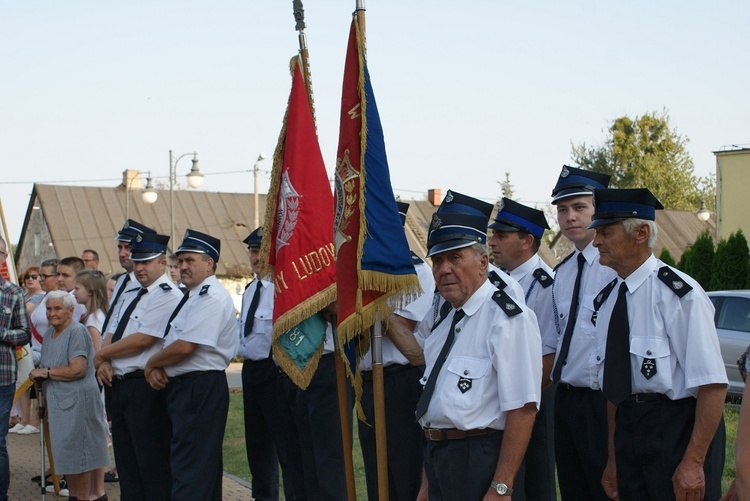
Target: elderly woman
74	406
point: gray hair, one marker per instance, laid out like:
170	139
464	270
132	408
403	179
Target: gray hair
630	225
480	248
67	299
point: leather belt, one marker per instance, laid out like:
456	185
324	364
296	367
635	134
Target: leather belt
387	371
189	375
129	375
640	398
570	387
439	434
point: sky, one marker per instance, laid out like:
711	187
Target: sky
466	90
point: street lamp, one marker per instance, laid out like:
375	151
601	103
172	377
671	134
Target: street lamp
703	213
256	222
194	179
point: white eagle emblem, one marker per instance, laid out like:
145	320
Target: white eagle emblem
286	216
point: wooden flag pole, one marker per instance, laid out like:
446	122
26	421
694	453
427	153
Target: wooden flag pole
378	396
343	398
344	413
376	335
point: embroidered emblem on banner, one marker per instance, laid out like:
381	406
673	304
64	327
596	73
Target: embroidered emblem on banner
288	211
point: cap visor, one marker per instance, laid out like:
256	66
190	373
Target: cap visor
596	223
449	245
572	192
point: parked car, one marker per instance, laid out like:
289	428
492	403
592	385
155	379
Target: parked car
732	319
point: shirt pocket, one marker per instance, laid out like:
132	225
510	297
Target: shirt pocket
468	368
64	400
656	349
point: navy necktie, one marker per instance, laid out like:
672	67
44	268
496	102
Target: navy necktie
126	316
429	387
114	302
617	371
572	315
176	311
250	319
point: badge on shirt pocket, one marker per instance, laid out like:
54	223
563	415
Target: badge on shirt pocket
648	368
464	384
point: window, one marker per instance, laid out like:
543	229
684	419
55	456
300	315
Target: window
735	314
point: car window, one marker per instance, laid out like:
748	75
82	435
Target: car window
734	314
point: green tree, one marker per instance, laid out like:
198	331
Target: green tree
682	265
699	264
666	257
506	187
646	153
730	263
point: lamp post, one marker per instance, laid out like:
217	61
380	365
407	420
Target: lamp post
194	179
703	213
256	221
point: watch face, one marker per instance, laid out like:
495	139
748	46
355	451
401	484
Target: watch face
501	489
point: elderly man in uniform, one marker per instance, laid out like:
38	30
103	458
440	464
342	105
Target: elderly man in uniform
402	390
264	437
580	407
140	425
200	341
516	237
482	383
658	359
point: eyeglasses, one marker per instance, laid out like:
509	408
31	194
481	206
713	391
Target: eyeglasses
45	277
32	276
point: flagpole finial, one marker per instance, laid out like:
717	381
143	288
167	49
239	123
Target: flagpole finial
299	15
360	5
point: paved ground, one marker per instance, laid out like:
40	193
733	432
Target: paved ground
25	463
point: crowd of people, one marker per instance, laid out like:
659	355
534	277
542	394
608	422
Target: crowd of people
504	379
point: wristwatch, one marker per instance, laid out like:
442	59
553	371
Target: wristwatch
501	489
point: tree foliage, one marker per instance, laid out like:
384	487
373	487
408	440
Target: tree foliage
730	263
699	262
506	187
646	153
666	257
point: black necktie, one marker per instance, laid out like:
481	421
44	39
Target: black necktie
617	372
126	316
572	314
250	318
176	311
429	387
114	302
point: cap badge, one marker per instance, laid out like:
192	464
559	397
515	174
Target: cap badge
565	172
500	205
436	222
449	197
138	238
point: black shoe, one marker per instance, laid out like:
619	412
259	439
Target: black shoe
38	478
111	476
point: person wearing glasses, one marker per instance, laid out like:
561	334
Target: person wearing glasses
90	259
33	293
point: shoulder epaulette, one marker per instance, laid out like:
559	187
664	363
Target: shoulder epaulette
415	259
563	261
505	303
204	290
165	286
542	277
498	282
601	297
672	280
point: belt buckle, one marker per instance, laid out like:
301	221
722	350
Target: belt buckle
434	434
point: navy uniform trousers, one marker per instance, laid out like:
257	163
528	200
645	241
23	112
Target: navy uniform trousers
540	455
198	404
319	428
650	441
404	436
580	443
463	469
264	436
141	432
